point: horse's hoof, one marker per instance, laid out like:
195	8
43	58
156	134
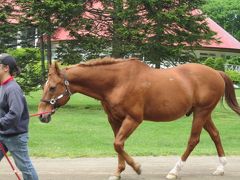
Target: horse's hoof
138	169
171	176
218	173
114	177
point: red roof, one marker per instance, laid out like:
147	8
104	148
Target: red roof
227	40
61	35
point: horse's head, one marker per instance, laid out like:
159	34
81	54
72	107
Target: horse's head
56	93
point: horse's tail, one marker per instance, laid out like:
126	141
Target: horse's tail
230	96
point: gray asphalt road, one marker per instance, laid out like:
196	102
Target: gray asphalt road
153	168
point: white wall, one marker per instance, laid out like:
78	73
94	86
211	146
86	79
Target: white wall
209	53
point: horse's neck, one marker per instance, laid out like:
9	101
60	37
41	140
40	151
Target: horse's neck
91	81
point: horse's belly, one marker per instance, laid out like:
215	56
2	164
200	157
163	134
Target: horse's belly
167	112
163	116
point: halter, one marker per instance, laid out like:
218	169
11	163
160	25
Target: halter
67	92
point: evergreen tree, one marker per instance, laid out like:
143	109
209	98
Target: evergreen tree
157	30
48	15
8	27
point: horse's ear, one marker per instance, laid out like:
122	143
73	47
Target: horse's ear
55	68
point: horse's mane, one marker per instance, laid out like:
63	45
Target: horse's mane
100	61
105	61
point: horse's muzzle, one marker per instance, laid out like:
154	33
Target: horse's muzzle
45	118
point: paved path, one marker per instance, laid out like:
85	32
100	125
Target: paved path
153	168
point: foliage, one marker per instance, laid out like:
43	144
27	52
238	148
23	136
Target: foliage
13	32
225	13
234	60
234	75
28	60
8	30
47	16
218	64
72	52
158	30
215	63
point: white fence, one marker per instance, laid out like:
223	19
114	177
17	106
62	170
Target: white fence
232	67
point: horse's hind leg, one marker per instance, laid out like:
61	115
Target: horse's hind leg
213	132
197	125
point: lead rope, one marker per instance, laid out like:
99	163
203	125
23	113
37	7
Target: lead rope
38	114
5	154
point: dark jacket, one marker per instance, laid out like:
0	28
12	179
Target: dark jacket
14	116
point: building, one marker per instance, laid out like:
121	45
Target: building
229	46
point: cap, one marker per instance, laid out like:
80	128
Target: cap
7	59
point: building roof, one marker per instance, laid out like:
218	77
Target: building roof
61	35
227	41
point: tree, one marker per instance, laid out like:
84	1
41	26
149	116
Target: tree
158	30
8	30
12	32
225	13
46	16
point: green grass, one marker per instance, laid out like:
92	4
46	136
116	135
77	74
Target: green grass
81	129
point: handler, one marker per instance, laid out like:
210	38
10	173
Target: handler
14	118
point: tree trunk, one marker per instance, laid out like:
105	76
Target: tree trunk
43	69
116	50
117	22
49	50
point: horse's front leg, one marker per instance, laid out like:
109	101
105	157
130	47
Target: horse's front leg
119	170
121	162
126	129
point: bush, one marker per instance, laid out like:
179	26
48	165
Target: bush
28	59
234	75
215	63
234	60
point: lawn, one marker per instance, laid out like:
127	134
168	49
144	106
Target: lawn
81	129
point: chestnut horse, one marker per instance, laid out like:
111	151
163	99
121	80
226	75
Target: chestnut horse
130	92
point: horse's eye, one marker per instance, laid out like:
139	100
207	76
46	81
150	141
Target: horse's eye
52	89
